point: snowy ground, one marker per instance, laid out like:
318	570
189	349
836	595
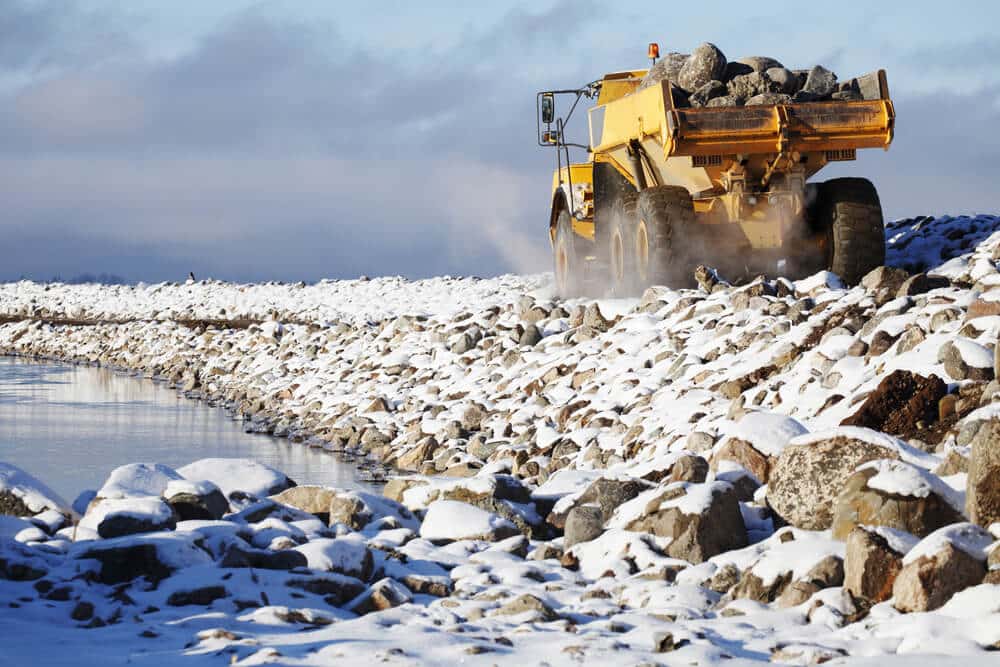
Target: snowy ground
664	417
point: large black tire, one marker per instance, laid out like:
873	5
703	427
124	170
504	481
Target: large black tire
568	258
666	217
621	258
849	216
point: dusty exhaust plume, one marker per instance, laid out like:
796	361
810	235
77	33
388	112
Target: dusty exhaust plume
486	209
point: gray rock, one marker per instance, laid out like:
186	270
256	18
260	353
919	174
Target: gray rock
666	69
768	98
531	336
785	80
805	480
706	63
725	101
583	524
805	96
868	86
956	366
206	506
735	69
760	64
982	499
609	493
820	82
750	85
696	537
129	521
709	91
846	96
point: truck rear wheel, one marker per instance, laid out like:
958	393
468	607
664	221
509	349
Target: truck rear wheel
850	219
664	213
621	243
567	258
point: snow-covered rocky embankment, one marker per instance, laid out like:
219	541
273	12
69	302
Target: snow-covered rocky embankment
785	471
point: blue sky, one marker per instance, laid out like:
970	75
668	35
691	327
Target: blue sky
306	139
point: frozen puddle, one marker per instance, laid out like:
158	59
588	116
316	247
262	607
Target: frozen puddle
70	425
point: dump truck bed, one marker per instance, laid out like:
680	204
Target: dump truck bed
836	128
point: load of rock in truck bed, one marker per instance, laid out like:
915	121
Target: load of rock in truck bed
706	79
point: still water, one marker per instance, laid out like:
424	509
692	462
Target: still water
70	426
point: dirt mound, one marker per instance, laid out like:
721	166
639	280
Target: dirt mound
904	404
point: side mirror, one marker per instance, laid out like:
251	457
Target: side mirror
548	108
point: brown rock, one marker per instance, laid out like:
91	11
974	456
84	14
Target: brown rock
860	505
827	573
870	566
383	594
743	453
982	500
929	582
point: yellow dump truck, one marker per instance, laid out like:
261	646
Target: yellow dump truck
666	187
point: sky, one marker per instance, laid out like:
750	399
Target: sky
308	139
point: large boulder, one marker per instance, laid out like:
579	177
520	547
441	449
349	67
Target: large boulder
702	520
195	500
238	475
152	556
791	567
583	523
897	495
706	63
811	471
872	563
451	520
344	555
138	480
23	495
759	64
115	517
666	69
982	499
746	86
942	564
820	82
503	495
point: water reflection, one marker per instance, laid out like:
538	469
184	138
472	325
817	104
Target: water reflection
70	425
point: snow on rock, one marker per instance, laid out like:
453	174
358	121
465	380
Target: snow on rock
768	432
346	555
450	520
966	537
22	494
232	475
113	517
136	480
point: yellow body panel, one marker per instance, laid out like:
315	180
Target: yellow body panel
581	178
